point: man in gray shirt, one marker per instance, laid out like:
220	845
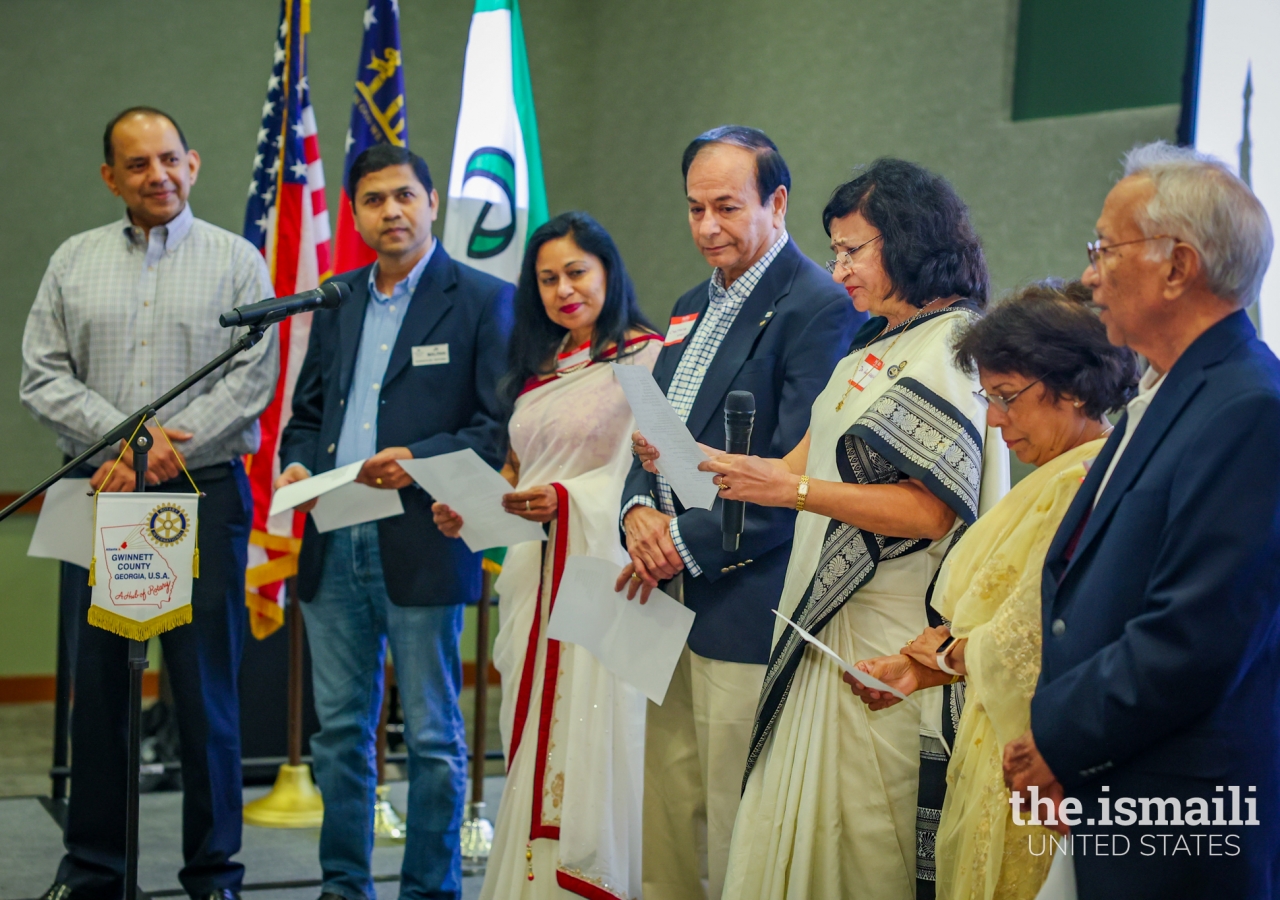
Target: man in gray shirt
124	313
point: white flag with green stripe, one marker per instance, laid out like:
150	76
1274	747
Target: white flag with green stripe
496	194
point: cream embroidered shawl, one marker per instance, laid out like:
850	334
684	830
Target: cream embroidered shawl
989	587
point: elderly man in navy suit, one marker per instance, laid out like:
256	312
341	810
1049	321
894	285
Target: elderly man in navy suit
406	368
771	322
1157	713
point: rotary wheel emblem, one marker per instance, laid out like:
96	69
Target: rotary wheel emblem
168	524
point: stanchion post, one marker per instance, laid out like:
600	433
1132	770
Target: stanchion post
62	703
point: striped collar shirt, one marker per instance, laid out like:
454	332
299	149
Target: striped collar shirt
722	311
122	316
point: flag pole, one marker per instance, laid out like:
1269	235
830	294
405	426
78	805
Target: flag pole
294	801
477	831
388	824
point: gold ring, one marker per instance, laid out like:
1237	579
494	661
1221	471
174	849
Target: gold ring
378	480
723	486
526	506
635	577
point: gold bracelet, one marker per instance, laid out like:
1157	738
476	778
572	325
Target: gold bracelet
802	493
955	679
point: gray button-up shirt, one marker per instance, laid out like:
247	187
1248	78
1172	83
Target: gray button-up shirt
121	317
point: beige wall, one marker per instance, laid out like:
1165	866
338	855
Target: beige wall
621	87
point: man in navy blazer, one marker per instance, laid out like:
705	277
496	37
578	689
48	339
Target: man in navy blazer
771	322
406	368
1160	684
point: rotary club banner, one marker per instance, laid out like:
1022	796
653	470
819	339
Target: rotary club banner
144	557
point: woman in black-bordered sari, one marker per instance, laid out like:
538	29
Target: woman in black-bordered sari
892	471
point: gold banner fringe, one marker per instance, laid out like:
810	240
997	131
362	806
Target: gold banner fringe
135	630
265	615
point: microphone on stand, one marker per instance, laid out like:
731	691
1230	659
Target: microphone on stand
739	417
328	296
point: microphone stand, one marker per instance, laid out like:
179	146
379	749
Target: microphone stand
140	441
130	424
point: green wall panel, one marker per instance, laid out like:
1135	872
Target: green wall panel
1082	56
620	89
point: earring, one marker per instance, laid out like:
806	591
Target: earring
1078	404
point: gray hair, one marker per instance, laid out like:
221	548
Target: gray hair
1199	201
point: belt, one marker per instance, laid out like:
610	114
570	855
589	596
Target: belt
216	472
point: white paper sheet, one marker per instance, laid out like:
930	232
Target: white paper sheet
679	453
863	678
342	501
471	488
65	528
640	644
1060	884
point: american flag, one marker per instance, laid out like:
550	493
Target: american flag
288	220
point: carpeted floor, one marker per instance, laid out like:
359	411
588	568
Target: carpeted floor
31	842
31	845
26	735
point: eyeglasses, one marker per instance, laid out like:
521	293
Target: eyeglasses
845	258
1095	248
1003	403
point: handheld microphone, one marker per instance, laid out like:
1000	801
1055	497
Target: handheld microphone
328	296
739	417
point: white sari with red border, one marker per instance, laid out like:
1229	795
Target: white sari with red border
573	734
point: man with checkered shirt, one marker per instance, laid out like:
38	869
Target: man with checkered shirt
124	313
772	322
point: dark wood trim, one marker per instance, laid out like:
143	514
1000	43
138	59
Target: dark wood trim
40	688
32	507
469	674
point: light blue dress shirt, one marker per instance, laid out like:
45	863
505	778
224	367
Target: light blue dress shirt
383	317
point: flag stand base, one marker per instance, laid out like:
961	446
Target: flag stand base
387	823
477	840
293	802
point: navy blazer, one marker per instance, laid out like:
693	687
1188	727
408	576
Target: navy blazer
430	409
787	338
1161	651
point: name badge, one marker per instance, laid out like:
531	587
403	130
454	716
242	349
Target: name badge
431	355
679	329
868	369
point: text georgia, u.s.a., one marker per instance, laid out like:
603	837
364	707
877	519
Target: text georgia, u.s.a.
144	560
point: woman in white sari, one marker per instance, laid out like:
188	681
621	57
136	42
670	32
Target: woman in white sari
892	469
573	734
1049	375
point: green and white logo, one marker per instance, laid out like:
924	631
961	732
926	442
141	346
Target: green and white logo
495	165
496	194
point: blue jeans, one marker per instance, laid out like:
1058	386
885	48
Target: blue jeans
349	623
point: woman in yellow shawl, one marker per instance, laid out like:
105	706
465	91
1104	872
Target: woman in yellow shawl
1048	376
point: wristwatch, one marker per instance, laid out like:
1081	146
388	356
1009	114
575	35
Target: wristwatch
802	493
942	655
